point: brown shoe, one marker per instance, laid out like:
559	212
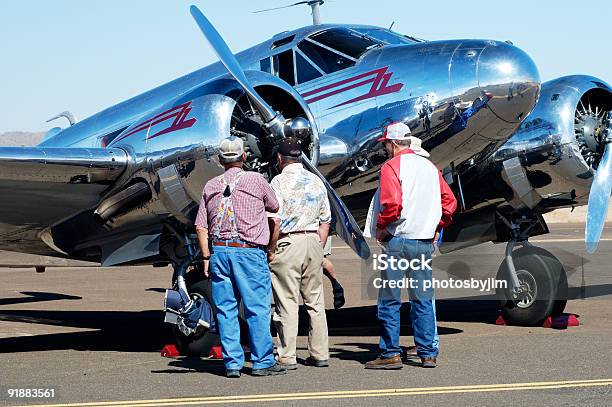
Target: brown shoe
391	363
411	352
429	362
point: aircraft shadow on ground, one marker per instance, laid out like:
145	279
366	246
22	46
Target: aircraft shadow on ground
32	296
362	321
123	331
144	331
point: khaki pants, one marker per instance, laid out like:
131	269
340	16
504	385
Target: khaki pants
296	270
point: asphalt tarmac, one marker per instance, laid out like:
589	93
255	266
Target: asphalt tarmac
93	335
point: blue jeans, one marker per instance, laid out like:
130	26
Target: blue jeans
422	310
242	273
436	341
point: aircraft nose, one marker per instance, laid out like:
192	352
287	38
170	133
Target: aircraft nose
510	80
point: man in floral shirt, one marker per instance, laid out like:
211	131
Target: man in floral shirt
300	231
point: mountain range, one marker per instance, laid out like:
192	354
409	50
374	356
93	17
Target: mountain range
20	138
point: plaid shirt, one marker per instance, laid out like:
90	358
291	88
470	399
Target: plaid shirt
251	199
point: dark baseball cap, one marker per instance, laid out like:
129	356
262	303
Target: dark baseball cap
290	147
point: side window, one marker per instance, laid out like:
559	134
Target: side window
305	70
264	65
324	58
283	66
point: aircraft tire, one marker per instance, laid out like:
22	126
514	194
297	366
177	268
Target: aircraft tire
543	276
562	293
200	343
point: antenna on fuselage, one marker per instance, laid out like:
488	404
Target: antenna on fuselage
66	114
315	5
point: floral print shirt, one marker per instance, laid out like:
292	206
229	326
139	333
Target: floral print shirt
302	199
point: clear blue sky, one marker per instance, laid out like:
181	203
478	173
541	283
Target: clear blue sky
87	55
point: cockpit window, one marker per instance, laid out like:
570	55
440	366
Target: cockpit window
385	36
305	70
323	53
348	42
327	60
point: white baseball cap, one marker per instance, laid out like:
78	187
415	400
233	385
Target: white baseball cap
415	145
231	147
396	131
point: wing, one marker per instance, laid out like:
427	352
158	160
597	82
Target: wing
40	186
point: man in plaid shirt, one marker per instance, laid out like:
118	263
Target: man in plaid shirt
233	214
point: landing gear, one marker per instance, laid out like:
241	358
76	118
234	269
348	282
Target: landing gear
190	291
541	291
200	342
536	283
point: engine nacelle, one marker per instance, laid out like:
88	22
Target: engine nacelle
550	161
558	142
547	164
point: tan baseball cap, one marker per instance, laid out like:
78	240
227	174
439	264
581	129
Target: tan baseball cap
231	147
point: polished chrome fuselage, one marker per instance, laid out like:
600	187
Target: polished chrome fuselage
463	98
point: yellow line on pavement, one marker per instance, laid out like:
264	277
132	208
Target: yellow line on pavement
346	394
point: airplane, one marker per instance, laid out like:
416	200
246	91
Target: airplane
123	186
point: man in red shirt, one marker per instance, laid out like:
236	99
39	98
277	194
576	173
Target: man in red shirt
233	213
415	203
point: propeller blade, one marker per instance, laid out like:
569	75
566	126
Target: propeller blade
229	60
342	221
599	198
282	7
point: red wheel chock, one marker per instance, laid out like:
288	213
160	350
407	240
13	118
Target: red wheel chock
561	321
216	352
171	351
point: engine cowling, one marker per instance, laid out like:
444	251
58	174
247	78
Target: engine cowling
558	144
547	164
